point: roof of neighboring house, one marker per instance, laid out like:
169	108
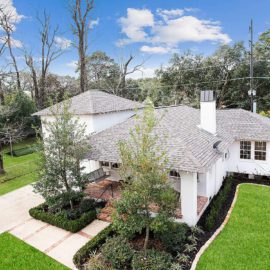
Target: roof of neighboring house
189	147
95	102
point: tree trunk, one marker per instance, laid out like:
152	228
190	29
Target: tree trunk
14	62
2	171
35	83
146	240
82	64
2	96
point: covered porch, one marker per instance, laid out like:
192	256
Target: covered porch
191	203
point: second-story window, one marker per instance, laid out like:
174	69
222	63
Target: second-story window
260	151
245	149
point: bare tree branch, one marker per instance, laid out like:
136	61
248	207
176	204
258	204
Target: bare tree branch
80	29
49	53
8	28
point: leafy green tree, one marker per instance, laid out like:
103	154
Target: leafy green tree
62	177
102	71
144	170
21	107
265	113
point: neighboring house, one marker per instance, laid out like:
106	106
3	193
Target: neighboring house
203	145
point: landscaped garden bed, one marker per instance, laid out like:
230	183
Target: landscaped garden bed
177	247
113	251
71	220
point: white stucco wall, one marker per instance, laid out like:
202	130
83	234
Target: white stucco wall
106	120
83	119
250	166
210	182
208	116
94	123
189	197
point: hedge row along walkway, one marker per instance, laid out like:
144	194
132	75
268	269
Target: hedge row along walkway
243	244
57	243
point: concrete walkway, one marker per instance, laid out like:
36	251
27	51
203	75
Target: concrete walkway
55	242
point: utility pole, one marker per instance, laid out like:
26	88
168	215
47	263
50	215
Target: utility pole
251	92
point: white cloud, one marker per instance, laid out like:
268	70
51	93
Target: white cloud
165	35
11	11
189	28
62	42
155	49
14	42
72	64
167	14
133	25
93	23
143	73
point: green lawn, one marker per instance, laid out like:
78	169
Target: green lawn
244	243
20	171
17	255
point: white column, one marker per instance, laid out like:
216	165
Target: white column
189	197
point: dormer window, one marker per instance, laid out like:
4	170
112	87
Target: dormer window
174	173
260	151
245	149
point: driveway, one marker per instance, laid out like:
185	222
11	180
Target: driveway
55	242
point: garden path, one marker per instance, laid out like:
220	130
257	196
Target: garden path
55	242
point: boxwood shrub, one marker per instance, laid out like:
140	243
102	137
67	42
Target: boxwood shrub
62	221
175	237
155	260
83	254
117	251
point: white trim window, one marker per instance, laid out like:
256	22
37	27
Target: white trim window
245	150
260	151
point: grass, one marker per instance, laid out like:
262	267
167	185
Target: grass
244	242
20	171
17	255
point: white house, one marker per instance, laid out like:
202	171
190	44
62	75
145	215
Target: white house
203	145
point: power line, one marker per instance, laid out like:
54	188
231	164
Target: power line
196	83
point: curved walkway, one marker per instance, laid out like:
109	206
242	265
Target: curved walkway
248	224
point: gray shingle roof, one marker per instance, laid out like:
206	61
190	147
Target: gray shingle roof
96	102
189	148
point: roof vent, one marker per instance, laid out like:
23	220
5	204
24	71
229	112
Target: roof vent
208	95
216	144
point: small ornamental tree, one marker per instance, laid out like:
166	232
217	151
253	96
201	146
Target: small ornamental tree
144	169
61	175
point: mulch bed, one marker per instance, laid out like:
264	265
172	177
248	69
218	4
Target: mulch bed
239	179
138	242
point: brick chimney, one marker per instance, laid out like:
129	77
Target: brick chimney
208	111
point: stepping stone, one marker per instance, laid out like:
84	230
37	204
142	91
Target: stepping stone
28	228
65	251
46	238
95	227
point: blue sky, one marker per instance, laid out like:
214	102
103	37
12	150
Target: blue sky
149	29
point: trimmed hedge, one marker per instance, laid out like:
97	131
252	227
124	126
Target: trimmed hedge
83	254
22	151
217	204
61	221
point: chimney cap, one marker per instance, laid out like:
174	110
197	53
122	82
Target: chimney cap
208	96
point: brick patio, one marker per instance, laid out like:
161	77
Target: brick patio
109	190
